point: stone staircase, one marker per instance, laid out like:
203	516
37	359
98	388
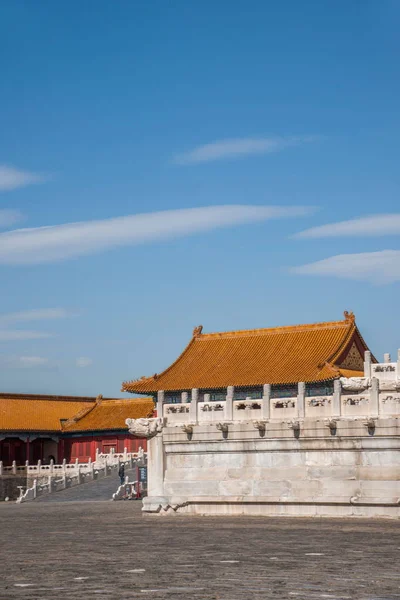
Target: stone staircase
97	490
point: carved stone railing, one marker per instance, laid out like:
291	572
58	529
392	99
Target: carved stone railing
210	411
355	405
319	406
243	410
176	413
283	408
389	403
366	396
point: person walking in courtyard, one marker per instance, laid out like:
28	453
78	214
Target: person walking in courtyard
121	473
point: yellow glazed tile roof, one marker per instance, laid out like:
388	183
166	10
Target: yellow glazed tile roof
281	355
30	413
110	414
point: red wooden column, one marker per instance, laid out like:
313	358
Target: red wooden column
28	449
60	451
93	446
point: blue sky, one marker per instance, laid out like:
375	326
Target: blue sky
284	114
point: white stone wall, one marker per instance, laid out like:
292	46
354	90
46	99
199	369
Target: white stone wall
351	470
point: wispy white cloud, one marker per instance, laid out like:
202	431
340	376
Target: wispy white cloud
13	335
233	148
9	217
12	178
376	267
23	362
40	314
49	244
373	225
83	361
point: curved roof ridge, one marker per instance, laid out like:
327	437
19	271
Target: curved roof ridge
279	329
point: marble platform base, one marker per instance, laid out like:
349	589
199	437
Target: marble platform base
263	507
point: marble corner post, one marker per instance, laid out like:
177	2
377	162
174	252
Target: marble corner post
155	466
193	406
301	400
337	398
160	403
265	407
367	364
398	363
229	403
387	358
374	398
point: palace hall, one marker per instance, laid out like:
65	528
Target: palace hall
41	427
315	354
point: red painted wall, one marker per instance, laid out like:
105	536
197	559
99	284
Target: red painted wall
81	448
84	447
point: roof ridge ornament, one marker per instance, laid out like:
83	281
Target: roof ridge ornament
349	316
197	330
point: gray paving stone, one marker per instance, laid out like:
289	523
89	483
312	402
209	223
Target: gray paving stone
108	550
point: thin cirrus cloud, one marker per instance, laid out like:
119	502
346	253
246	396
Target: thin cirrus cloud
83	362
41	314
10	335
12	178
36	314
380	267
59	242
23	362
234	148
370	226
9	217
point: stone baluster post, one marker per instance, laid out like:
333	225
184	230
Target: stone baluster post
51	466
337	398
207	397
1	467
387	358
266	403
34	488
14	467
374	397
160	403
50	484
64	465
301	399
184	397
229	403
398	364
39	466
193	406
367	364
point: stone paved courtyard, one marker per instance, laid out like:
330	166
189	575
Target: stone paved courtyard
107	550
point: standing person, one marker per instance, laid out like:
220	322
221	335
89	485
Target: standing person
121	473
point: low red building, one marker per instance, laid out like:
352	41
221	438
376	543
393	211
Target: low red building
39	427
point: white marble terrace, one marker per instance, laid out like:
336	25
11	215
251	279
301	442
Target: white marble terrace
377	394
